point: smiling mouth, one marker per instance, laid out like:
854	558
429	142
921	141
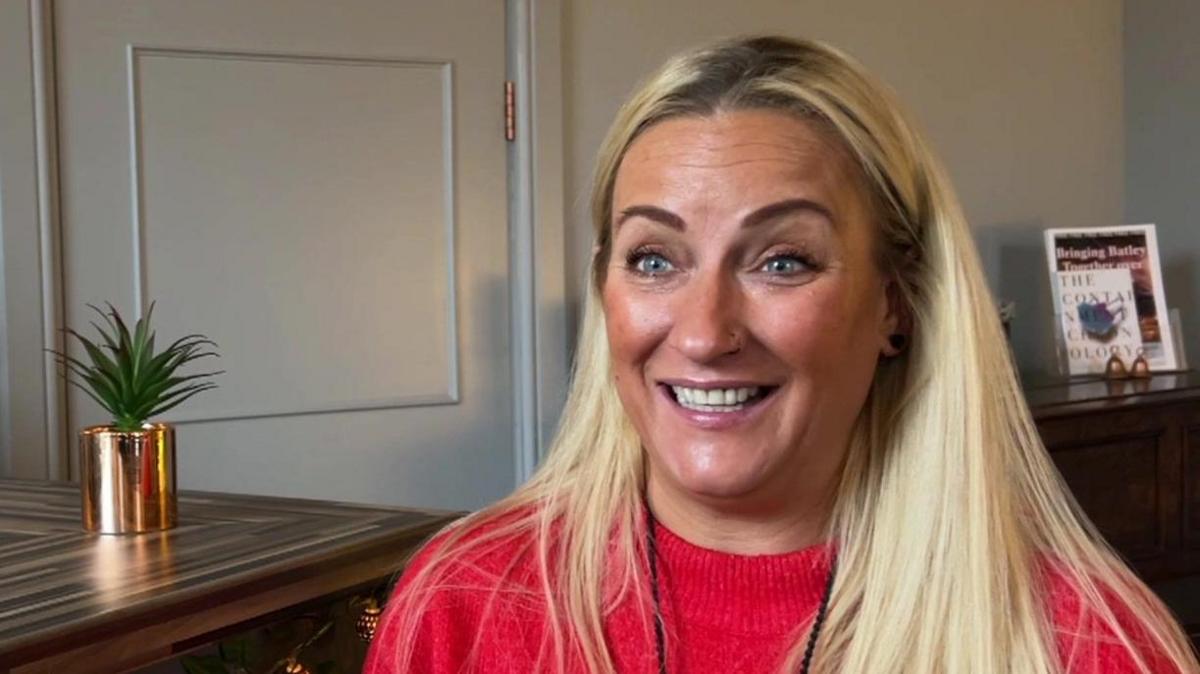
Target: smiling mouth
719	399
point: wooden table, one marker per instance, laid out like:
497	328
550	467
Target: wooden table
77	602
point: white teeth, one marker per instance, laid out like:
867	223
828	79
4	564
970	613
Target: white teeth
714	400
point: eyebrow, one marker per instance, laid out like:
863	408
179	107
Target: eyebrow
768	212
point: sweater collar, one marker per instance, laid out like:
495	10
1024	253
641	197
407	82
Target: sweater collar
745	594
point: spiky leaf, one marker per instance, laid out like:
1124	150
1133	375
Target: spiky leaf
126	376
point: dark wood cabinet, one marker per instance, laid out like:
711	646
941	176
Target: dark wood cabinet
1130	452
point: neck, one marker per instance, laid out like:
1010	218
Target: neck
738	525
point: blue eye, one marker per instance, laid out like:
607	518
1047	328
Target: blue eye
785	265
651	264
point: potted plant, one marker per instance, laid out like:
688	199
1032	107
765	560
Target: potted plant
127	467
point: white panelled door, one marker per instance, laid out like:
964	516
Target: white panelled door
320	188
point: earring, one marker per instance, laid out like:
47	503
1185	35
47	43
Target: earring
898	341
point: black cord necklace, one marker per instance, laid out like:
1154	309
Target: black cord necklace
660	639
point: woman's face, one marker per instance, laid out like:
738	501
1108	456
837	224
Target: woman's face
744	306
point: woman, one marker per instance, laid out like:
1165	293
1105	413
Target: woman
794	440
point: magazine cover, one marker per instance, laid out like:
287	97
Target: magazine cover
1098	318
1129	247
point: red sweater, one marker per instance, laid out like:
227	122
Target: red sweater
724	613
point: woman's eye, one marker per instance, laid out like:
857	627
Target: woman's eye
784	265
651	264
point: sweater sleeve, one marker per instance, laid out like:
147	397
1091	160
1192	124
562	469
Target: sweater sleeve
1087	645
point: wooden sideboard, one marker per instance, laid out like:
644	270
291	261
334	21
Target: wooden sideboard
1130	452
75	603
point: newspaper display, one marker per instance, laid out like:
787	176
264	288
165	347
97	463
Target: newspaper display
1097	316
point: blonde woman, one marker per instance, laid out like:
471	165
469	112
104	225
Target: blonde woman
794	440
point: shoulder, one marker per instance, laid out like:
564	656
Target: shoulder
469	574
473	555
1087	640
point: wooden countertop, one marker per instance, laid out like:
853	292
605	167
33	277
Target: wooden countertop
73	601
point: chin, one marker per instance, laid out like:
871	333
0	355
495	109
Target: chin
716	479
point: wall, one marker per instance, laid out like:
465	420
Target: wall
31	414
1022	99
24	395
1162	132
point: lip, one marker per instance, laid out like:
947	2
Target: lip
716	421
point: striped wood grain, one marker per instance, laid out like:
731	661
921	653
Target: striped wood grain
62	588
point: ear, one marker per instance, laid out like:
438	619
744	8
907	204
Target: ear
893	320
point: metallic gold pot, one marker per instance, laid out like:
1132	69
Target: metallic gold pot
127	479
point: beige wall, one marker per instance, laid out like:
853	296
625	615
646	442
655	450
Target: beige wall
1022	98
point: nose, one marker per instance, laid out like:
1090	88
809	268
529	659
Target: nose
708	321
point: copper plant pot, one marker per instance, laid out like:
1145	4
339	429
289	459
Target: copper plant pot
127	479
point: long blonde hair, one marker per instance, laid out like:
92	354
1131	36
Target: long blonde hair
948	510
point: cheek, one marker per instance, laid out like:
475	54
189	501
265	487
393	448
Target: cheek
806	326
636	323
823	329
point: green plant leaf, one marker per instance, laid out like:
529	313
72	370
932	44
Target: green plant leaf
163	365
122	329
79	366
104	386
101	391
189	393
97	392
112	327
187	354
108	340
162	390
106	406
113	334
143	342
126	376
124	354
153	404
141	328
102	364
142	359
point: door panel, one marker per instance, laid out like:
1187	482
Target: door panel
320	188
307	194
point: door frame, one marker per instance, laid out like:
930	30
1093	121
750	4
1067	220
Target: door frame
33	412
35	422
537	224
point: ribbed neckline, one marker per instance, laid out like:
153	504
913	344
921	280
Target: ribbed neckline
747	594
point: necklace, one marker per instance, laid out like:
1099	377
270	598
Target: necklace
660	641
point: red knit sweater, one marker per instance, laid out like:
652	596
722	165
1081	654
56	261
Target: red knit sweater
725	614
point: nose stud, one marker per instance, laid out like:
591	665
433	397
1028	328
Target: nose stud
735	338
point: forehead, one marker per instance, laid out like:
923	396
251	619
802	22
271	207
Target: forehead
733	157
